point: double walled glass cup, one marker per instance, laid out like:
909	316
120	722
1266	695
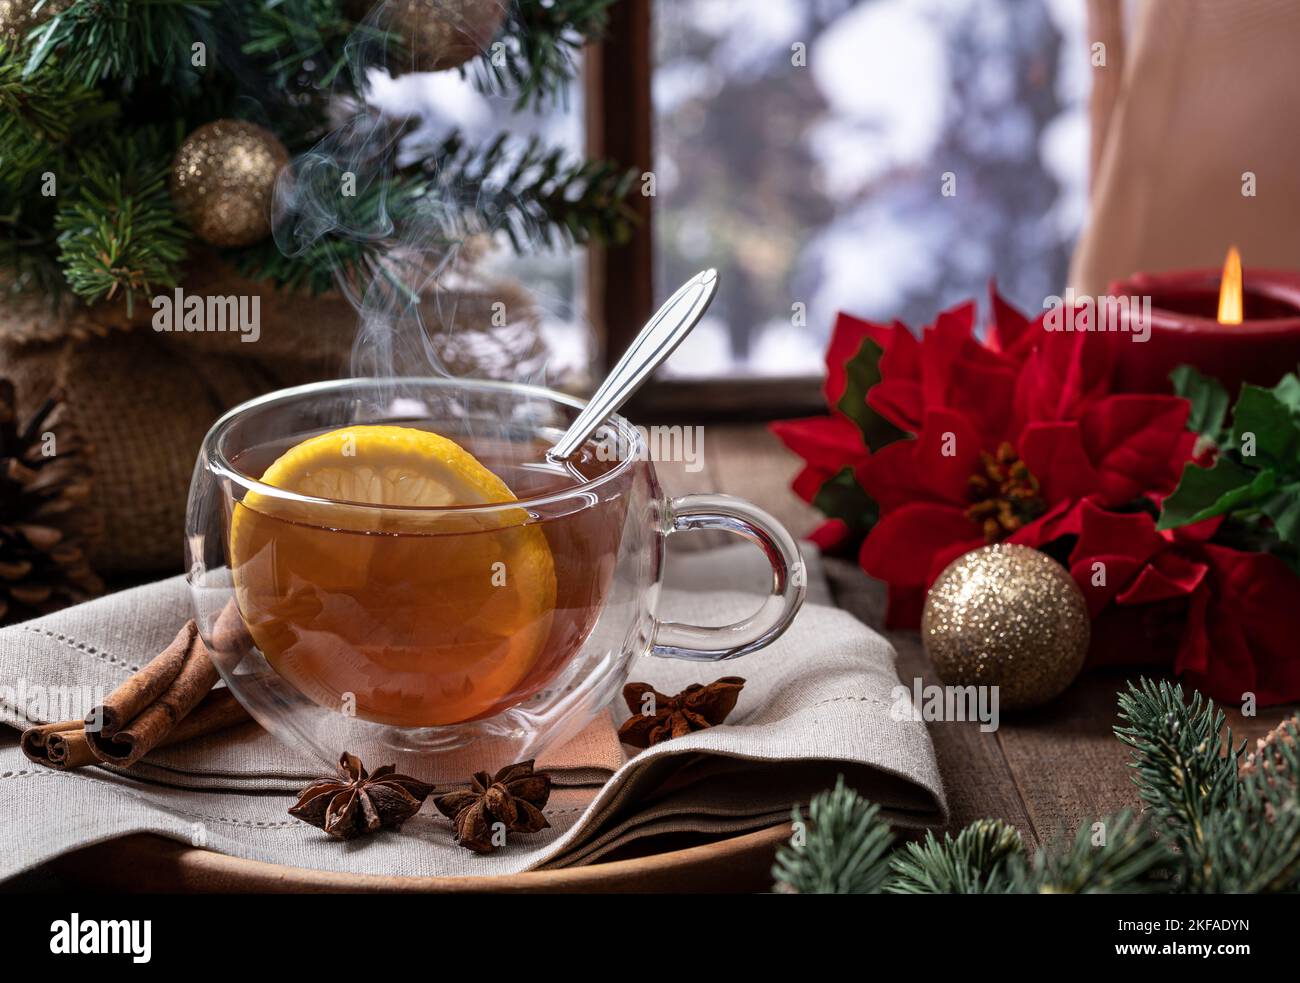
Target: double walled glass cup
404	632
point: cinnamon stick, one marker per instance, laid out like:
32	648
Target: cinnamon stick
136	715
64	746
60	745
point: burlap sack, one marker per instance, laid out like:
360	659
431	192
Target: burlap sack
143	399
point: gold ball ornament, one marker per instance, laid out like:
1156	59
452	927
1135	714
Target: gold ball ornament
222	179
443	34
1007	616
17	19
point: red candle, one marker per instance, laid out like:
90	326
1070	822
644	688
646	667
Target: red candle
1189	326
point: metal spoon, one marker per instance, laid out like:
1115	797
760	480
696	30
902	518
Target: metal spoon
657	340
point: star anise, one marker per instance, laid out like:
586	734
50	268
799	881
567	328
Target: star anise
694	708
356	802
509	802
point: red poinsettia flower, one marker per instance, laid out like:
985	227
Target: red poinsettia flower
834	445
1227	619
831	444
1004	450
951	442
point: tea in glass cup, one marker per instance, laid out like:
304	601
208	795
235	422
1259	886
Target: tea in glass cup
393	567
416	611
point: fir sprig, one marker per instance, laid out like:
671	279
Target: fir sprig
1255	848
1118	855
533	194
119	234
97	70
307	40
39	107
123	40
1185	771
1215	822
842	849
975	861
540	44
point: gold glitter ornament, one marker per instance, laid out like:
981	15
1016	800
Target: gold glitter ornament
1007	616
17	19
222	179
443	34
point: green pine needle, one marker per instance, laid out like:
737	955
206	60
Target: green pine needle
119	234
539	50
305	41
843	850
1215	822
532	194
124	40
974	862
1255	848
1184	769
1120	856
99	72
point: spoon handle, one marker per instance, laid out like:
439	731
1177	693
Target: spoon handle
657	340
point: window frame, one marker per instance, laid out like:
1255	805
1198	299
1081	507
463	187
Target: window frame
619	115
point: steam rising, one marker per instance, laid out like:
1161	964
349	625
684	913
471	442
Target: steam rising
410	291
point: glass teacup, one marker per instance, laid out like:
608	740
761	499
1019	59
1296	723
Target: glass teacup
402	631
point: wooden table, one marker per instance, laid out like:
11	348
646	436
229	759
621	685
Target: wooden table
1048	771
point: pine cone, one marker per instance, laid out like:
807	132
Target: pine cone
44	525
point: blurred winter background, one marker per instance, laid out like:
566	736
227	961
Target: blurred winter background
821	185
816	188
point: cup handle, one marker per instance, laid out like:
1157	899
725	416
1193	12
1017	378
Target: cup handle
789	581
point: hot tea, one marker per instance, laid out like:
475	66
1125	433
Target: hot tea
403	611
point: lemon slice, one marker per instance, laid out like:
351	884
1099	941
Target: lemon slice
418	618
383	465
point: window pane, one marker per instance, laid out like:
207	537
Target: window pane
802	148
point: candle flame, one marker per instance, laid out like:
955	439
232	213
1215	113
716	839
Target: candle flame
1230	289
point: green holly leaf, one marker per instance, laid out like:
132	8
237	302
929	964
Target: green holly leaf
862	372
1208	398
1283	507
841	497
1288	392
1206	492
1264	432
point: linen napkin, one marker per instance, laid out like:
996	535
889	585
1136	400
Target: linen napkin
816	703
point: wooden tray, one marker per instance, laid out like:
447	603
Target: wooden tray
148	863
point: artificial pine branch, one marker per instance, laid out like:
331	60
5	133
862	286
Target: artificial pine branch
533	194
1255	848
844	849
1184	770
119	234
1120	856
40	106
1216	823
306	41
973	862
542	41
99	70
123	40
